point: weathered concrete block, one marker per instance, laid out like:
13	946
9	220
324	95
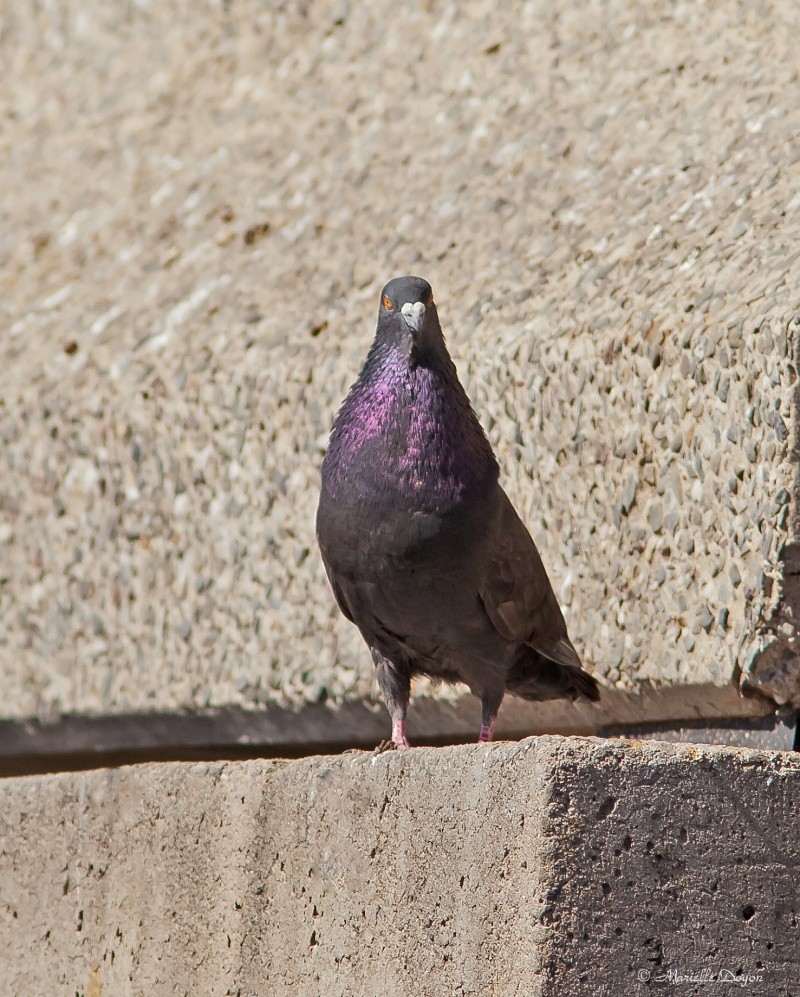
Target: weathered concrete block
205	203
547	867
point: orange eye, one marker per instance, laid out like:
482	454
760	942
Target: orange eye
387	303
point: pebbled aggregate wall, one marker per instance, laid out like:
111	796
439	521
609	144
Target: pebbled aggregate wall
198	207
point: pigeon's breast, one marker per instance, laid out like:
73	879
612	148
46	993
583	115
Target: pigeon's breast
405	443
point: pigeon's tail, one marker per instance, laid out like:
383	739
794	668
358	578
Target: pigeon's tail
535	677
584	684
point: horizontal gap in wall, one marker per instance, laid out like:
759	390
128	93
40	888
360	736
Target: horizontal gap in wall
707	713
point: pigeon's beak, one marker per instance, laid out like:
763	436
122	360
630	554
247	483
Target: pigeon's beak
413	314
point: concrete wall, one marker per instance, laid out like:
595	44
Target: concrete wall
200	205
547	867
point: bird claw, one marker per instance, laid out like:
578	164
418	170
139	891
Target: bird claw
397	742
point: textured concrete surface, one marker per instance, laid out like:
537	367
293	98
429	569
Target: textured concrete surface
699	713
199	205
553	866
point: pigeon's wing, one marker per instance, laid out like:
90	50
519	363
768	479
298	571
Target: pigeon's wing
517	594
338	593
335	581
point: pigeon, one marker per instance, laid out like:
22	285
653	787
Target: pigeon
423	549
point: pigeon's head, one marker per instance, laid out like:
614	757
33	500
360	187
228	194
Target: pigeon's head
407	315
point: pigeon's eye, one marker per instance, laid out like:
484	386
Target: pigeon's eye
387	303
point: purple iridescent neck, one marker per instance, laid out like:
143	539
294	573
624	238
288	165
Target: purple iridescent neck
406	430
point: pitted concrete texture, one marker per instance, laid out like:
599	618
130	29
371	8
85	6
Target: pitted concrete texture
550	866
200	204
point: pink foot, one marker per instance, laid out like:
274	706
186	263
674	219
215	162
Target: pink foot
399	734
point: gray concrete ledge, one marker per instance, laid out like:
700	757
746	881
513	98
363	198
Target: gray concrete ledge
57	744
549	866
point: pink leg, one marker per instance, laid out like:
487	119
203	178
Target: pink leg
490	705
399	734
487	732
395	685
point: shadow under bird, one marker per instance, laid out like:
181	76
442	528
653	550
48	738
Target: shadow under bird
423	549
